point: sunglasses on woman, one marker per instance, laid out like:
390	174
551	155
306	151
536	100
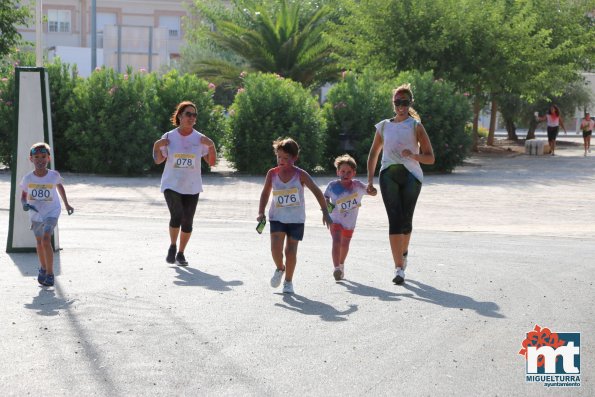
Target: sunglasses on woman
189	114
402	102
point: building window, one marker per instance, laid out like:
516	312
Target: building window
59	21
172	23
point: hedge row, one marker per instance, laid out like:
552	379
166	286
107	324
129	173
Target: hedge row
108	122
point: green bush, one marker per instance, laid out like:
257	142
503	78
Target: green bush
112	125
269	107
444	114
174	88
62	80
116	118
352	108
7	117
358	102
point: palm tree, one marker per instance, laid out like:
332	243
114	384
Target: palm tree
284	40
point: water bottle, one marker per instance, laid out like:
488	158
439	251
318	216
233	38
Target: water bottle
261	224
330	207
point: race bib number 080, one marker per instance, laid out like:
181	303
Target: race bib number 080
286	198
184	160
40	192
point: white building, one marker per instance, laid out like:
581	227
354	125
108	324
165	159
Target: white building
143	34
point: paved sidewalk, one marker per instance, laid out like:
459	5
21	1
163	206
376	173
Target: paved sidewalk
499	246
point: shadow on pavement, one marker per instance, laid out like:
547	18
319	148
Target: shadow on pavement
365	290
190	277
310	307
28	263
426	293
47	304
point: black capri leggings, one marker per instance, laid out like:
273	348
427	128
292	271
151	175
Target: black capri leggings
181	209
400	190
552	133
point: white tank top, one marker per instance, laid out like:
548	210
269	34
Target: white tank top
396	137
552	121
287	203
182	171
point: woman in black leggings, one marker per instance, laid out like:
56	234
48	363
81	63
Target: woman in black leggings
405	144
181	183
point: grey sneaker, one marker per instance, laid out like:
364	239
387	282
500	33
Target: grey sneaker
276	279
288	287
181	259
399	276
338	273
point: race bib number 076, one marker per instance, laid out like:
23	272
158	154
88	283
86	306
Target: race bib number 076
286	198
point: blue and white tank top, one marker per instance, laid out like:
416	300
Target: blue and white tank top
287	203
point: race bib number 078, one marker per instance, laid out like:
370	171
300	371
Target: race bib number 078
184	160
286	198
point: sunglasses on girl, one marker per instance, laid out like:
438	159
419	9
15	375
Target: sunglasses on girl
402	102
189	114
39	150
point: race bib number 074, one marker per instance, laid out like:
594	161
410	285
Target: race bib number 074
348	203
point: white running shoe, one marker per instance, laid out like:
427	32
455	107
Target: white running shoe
288	287
399	276
338	273
276	279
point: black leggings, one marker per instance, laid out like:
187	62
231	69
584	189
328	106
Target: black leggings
400	190
552	133
181	209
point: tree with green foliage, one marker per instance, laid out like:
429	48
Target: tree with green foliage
283	37
487	48
12	14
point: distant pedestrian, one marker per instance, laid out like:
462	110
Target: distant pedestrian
404	144
40	189
344	197
587	125
287	213
181	183
554	121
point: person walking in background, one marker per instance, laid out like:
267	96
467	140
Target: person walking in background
587	125
405	144
39	196
287	213
181	182
344	197
554	121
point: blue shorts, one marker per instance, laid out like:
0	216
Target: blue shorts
45	227
294	231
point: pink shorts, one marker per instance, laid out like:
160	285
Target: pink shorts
337	227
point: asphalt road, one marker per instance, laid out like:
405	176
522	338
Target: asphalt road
499	246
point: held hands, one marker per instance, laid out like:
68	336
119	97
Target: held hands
371	190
